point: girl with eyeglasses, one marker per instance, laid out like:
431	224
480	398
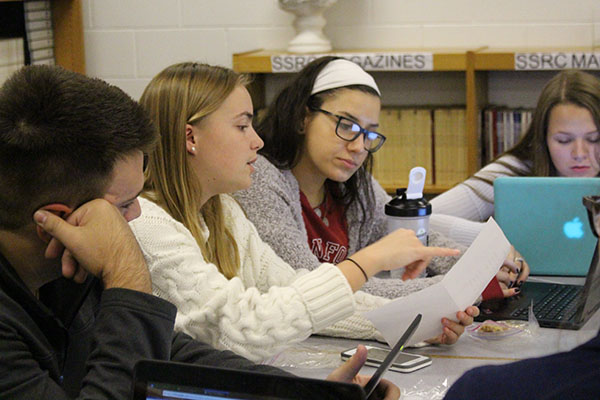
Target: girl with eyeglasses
313	198
231	290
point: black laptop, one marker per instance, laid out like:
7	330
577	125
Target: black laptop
554	305
161	380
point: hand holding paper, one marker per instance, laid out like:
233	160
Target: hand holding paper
459	289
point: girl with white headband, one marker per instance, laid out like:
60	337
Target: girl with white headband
313	198
231	290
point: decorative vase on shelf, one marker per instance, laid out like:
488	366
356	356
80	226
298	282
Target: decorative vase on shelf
309	25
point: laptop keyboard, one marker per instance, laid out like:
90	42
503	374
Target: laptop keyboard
560	304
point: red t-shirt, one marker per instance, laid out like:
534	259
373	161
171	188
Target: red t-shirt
327	229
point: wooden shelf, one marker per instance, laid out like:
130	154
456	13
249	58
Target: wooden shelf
504	60
473	62
494	61
485	59
68	34
259	61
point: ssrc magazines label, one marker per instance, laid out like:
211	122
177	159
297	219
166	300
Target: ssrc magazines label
368	61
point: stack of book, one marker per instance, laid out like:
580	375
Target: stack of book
501	129
38	25
431	138
436	139
408	133
12	56
450	146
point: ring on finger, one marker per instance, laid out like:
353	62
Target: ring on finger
519	259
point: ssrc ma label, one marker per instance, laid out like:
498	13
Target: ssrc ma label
555	61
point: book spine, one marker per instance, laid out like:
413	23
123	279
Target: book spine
41	15
11	52
38	25
46	61
42	34
40	38
36	5
494	145
41	54
40	44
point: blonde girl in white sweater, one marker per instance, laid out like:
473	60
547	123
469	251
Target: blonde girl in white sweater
231	289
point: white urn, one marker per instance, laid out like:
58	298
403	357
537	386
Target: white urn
309	23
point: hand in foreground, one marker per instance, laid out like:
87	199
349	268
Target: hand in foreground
452	329
348	371
513	273
402	248
99	241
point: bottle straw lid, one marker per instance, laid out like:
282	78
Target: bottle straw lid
410	202
416	183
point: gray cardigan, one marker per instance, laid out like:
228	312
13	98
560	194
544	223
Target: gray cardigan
272	203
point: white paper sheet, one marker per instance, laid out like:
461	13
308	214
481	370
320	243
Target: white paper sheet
459	289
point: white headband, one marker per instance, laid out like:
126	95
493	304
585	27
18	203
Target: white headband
340	73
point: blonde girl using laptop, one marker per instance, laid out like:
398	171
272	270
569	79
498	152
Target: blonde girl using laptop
206	257
561	141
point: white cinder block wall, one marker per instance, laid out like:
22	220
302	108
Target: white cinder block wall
128	41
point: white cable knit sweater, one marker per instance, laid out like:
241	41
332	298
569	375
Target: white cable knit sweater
267	307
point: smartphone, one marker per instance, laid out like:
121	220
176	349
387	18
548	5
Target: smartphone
404	362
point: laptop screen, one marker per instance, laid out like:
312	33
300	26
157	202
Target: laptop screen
544	219
159	380
163	391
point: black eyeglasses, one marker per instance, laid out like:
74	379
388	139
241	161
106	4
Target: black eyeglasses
592	203
349	130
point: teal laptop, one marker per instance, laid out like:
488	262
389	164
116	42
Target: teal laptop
545	220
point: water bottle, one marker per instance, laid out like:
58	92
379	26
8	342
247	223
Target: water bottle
409	209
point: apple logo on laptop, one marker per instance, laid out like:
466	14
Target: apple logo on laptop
573	229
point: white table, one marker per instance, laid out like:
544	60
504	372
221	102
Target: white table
318	355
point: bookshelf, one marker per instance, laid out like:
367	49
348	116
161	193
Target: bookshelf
68	34
474	64
259	63
514	78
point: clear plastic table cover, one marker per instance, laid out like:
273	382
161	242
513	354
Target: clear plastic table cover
326	356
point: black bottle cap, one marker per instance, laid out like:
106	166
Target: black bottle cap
400	206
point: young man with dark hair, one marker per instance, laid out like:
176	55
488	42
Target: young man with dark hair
77	310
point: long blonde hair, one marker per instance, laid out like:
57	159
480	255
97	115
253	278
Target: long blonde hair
183	94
